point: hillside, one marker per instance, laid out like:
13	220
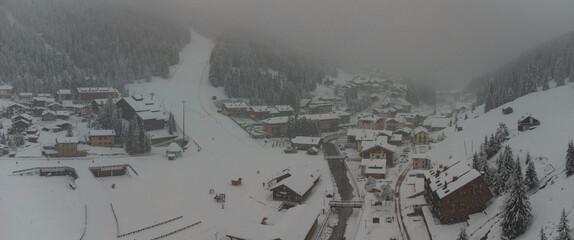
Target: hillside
547	145
47	45
552	61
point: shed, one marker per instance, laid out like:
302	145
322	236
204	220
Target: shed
173	151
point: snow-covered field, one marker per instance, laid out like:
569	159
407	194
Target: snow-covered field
546	144
34	207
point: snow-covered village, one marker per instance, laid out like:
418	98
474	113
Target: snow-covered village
171	126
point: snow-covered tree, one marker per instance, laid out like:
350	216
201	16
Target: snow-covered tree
505	165
564	231
530	177
570	158
517	213
70	133
528	158
462	234
171	124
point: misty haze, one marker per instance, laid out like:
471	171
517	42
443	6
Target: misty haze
291	120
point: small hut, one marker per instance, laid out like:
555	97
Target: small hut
173	151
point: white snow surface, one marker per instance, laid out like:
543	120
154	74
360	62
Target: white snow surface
547	145
34	207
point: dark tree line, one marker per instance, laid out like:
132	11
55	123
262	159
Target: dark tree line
302	127
552	61
355	101
47	45
420	94
263	74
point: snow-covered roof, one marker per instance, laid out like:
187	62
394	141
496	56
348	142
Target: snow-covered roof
147	115
376	166
367	134
260	109
405	130
318	117
306	140
25	116
232	105
46	95
420	155
295	224
67	140
173	147
300	181
420	129
397	137
284	108
96	133
440	122
397	119
6	87
64	91
26	94
96	89
304	102
275	120
17	105
48	112
63	113
380	141
370	118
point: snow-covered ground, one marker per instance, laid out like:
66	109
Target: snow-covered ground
34	207
546	144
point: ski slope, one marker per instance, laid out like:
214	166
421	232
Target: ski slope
34	207
547	145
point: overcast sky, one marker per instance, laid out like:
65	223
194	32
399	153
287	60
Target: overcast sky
451	41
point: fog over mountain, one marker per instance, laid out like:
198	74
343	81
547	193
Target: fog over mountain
449	41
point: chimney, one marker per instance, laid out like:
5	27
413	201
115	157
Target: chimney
454	178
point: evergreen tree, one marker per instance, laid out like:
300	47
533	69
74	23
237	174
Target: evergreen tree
171	124
528	158
564	231
475	161
141	138
530	178
69	133
462	234
517	213
570	159
506	165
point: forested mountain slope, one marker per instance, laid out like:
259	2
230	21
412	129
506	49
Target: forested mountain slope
46	45
551	61
265	74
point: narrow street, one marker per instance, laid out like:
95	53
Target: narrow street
398	208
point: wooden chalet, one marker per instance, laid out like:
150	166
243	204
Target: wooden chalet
87	94
378	149
393	124
327	122
283	111
528	123
371	122
55	106
260	112
375	168
17	108
48	115
276	127
234	108
305	143
295	185
67	147
63	95
421	136
320	107
109	171
454	191
20	125
421	161
102	137
25	96
6	91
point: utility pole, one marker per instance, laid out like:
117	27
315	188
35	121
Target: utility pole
183	112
